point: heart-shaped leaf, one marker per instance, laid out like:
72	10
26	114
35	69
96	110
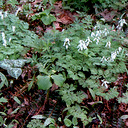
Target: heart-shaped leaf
44	82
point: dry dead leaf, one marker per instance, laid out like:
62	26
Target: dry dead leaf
57	26
54	87
64	19
26	101
108	15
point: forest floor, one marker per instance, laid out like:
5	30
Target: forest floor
37	102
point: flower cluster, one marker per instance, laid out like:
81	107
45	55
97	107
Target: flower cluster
3	15
113	56
121	23
83	44
96	36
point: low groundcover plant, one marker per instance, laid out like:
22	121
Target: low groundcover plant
78	60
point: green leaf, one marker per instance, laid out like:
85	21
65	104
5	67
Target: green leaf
58	79
92	93
44	82
1	121
38	117
17	100
12	2
74	121
52	126
45	12
2	99
4	80
10	126
3	113
47	20
30	85
48	121
15	111
67	122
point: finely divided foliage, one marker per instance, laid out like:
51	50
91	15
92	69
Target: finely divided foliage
80	60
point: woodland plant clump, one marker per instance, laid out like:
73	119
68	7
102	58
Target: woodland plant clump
83	60
81	65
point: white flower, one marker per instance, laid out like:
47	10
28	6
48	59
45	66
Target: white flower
96	39
5	14
66	43
17	11
104	83
108	44
88	41
4	40
63	30
98	33
92	34
113	56
2	16
13	28
105	32
10	39
3	35
122	22
82	45
103	59
119	49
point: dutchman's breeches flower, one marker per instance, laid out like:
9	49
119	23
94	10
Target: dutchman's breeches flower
105	83
66	43
2	16
82	45
121	23
108	44
13	28
4	40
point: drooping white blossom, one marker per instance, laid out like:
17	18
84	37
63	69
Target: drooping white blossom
119	49
105	32
10	39
82	45
13	28
97	39
4	40
92	34
121	23
113	56
66	43
108	44
17	11
2	16
5	14
105	83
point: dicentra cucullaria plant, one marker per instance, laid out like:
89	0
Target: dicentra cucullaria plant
15	41
78	59
88	58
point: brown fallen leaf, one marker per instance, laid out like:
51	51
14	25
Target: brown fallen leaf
64	19
108	15
26	100
54	87
57	26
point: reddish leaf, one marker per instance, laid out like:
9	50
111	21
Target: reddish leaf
108	15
